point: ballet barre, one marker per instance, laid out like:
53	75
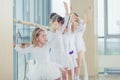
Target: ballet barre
30	24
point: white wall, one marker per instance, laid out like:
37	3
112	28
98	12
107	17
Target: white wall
6	39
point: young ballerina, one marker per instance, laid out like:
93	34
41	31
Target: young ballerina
80	46
68	37
66	48
44	68
58	54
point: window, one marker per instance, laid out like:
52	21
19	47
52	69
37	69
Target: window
113	17
108	31
101	18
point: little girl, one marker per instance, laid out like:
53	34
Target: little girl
43	69
68	39
80	46
58	54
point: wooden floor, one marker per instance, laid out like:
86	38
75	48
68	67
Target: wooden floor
110	77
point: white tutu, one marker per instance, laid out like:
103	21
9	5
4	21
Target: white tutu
72	63
47	71
79	44
68	40
61	59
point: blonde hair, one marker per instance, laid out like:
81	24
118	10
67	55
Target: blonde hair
35	35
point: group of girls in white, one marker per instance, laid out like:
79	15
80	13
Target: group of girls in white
58	53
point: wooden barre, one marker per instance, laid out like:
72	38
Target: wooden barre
30	24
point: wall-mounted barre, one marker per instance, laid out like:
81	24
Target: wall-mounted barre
30	24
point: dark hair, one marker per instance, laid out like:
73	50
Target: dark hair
60	20
52	14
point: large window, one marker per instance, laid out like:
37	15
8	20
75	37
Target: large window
108	30
109	27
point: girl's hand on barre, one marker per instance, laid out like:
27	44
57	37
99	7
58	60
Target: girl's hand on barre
22	45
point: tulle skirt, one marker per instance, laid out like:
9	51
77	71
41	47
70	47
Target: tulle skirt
80	45
44	71
72	62
61	58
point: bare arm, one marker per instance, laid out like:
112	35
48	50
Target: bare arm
87	17
66	17
22	48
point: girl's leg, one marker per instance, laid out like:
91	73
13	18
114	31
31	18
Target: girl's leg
79	60
84	65
76	75
58	79
64	74
70	74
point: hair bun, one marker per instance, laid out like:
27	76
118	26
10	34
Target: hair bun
60	20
